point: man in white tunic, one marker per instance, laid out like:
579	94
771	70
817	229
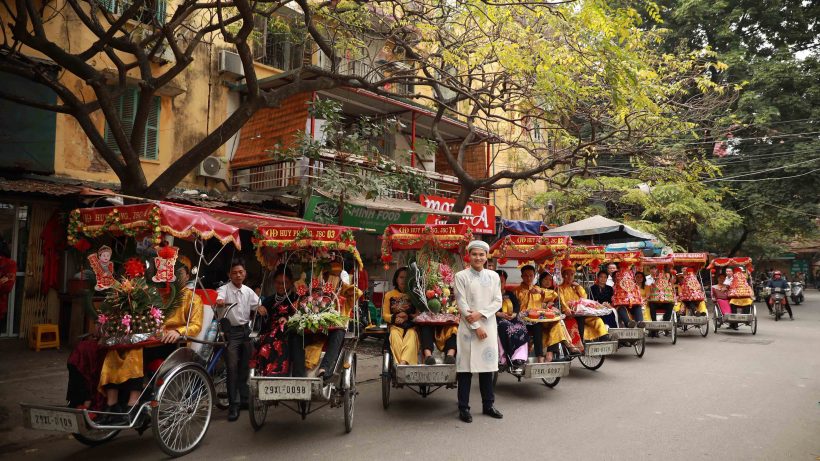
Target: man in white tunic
478	295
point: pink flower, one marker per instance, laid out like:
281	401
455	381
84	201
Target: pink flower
126	322
156	314
102	319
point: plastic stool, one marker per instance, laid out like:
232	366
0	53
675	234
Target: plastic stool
39	332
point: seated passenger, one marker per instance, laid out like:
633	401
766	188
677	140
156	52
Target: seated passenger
553	332
603	293
396	312
741	295
273	356
661	295
589	328
720	295
124	370
691	295
513	338
629	296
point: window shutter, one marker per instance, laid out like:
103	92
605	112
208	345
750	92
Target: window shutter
151	140
161	4
125	108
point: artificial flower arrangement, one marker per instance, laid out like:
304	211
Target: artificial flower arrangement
589	308
317	309
429	282
134	311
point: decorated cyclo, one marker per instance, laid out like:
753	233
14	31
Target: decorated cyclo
691	298
173	394
659	298
532	336
421	309
626	303
322	316
733	297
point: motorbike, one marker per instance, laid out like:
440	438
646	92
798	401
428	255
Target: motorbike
777	300
758	289
797	293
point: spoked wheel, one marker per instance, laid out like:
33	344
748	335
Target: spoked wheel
704	329
551	382
387	380
674	329
754	321
350	397
220	379
183	412
257	410
591	363
94	438
640	347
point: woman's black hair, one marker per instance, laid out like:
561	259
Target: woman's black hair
643	282
282	270
528	267
602	271
396	276
502	273
543	276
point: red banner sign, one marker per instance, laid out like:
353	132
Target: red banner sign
127	214
480	221
302	232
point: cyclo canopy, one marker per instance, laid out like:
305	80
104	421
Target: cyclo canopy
743	261
399	237
273	240
695	260
544	250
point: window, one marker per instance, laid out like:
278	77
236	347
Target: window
278	48
126	107
152	9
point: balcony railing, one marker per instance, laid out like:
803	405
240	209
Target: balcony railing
293	175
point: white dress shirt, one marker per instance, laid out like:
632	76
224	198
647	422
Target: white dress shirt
246	302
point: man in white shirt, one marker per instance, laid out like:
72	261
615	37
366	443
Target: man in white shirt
611	268
237	333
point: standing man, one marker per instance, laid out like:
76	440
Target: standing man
611	269
237	332
478	295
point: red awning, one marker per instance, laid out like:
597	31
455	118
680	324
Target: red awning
536	248
183	221
690	259
743	261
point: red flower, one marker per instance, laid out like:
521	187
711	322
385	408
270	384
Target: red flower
134	268
82	245
301	290
264	351
166	252
315	283
328	288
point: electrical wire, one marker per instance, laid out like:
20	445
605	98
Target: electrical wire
770	179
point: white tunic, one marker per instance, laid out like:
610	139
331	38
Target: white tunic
477	292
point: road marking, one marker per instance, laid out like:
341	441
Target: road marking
716	416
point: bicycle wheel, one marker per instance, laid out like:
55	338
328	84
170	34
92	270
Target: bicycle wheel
220	379
183	411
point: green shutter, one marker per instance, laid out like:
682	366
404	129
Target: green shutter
161	11
151	141
125	107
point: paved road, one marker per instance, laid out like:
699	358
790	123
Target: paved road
728	396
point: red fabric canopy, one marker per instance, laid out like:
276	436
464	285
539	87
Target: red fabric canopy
744	261
415	236
536	248
657	261
697	260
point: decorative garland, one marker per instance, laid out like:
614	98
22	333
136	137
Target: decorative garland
113	223
425	238
507	245
303	239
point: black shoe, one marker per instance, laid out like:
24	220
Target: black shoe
430	360
700	314
518	363
631	324
450	359
465	416
493	413
233	413
641	324
605	337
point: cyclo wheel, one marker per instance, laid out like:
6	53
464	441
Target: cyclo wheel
551	382
95	438
183	411
220	379
350	397
591	363
640	347
674	329
387	380
704	329
257	409
754	320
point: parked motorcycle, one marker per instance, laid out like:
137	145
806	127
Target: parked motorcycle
758	289
797	293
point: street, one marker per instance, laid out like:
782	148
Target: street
728	396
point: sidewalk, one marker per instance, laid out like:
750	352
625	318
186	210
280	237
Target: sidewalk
28	376
41	377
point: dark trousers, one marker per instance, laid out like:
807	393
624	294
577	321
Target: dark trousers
667	310
428	339
485	384
610	320
536	331
335	340
580	320
624	312
769	303
237	355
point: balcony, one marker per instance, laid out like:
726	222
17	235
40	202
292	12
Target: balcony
292	177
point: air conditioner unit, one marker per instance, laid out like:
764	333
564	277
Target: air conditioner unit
213	167
163	55
230	63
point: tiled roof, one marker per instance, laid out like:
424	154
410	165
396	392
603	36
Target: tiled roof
37	186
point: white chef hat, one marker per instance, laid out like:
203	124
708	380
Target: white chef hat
478	244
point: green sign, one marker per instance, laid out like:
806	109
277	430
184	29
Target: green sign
326	211
800	265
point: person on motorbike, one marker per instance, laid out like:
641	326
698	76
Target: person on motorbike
778	281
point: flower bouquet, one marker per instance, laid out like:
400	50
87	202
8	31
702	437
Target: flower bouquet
132	312
317	309
589	308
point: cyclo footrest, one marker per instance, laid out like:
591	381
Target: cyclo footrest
626	333
546	370
286	388
693	320
598	349
738	317
54	418
659	325
426	374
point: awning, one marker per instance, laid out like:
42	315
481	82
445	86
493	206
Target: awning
541	249
183	221
601	230
515	227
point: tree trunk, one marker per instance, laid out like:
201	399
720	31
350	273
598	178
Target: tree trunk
740	242
461	202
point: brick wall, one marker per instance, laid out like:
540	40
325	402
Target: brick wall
475	160
271	127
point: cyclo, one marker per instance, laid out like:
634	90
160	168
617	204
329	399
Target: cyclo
319	302
691	307
431	255
542	251
740	294
177	398
653	325
626	337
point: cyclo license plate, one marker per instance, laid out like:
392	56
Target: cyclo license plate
53	421
630	333
596	350
284	389
547	370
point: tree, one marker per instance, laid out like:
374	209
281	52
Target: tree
770	170
584	72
